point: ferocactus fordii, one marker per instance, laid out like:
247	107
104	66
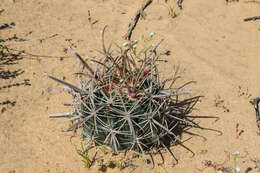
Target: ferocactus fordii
124	102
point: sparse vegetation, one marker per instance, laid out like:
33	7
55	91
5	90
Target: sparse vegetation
85	156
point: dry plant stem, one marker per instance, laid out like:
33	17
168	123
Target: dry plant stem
252	18
132	24
255	102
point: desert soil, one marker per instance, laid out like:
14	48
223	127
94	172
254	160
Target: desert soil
208	40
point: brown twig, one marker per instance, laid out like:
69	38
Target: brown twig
237	130
251	18
132	24
255	102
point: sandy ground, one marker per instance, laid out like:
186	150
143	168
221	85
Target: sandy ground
208	39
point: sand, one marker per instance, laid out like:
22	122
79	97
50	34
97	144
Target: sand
208	40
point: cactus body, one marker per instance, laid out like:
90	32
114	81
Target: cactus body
124	103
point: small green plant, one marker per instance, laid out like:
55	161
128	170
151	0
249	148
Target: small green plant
124	102
104	150
171	11
236	169
84	154
120	164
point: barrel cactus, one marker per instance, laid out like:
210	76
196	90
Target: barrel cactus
125	104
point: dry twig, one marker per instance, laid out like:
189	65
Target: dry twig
251	18
132	24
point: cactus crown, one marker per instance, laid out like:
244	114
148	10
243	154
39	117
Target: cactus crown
124	103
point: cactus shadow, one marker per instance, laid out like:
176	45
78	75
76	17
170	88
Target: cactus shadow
8	58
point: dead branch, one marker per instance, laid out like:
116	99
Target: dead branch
133	23
251	18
